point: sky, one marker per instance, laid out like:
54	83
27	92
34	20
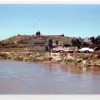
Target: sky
50	19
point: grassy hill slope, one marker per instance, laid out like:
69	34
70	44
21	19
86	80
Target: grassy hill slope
27	43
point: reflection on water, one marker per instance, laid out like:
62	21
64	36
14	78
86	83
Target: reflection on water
84	68
39	78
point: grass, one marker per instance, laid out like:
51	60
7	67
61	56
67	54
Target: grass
22	41
80	55
72	48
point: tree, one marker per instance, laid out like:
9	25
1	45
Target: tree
76	42
56	43
50	44
85	44
92	39
73	42
66	45
97	40
46	48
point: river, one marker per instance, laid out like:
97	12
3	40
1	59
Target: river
38	78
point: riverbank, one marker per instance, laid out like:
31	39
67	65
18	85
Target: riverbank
92	60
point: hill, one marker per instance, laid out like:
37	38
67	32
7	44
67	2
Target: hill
31	42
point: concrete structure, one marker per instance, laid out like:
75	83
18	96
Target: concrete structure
86	49
61	49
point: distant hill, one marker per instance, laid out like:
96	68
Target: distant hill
32	41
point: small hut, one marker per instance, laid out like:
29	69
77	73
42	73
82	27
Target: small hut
38	33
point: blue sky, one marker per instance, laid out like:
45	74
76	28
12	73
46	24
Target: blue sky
70	20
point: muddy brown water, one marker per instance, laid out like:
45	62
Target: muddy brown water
38	78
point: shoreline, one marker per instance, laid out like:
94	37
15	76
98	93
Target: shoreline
45	57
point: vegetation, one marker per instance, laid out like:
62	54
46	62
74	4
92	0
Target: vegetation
39	41
59	61
28	43
19	58
72	48
34	59
3	55
68	61
50	44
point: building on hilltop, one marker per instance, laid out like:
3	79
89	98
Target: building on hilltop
62	35
38	33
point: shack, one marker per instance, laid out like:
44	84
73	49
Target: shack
61	49
58	49
86	50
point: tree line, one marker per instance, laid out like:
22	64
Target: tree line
77	42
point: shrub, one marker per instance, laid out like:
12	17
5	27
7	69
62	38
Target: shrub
86	56
87	65
4	55
72	48
80	55
59	61
19	58
98	56
47	58
68	61
34	59
90	58
77	61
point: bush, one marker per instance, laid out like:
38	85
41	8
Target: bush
34	59
4	55
77	61
47	58
68	61
80	55
19	58
90	58
86	56
59	61
87	65
72	48
66	45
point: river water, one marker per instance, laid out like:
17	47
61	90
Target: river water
38	78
